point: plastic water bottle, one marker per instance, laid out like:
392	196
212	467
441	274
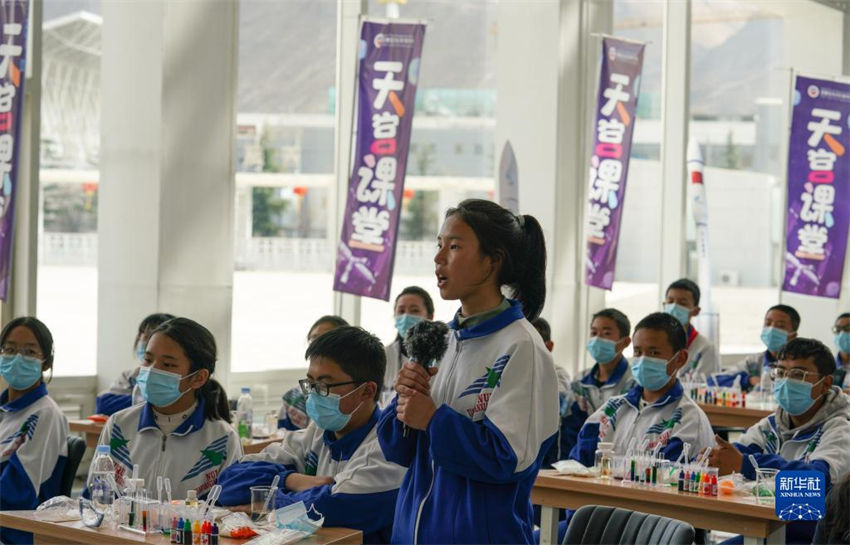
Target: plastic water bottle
98	480
245	415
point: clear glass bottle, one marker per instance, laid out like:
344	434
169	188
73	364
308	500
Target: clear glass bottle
604	460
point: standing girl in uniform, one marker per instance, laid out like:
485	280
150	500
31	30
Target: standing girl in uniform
182	430
481	425
33	429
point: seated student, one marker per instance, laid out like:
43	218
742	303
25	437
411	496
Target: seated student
183	430
33	429
781	323
809	431
292	414
834	527
412	305
335	464
841	329
610	375
682	302
654	408
124	392
555	451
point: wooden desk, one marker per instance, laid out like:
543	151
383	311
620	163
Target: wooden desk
77	532
740	515
732	417
92	430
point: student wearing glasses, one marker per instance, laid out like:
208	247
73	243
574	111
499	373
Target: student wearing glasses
33	429
334	464
809	431
841	330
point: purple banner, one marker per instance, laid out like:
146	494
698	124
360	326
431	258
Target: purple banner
388	73
13	40
818	188
619	85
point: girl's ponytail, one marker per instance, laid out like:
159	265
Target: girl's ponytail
215	398
530	285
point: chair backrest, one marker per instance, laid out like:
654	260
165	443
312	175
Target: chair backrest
76	449
600	524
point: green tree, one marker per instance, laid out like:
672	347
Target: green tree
266	205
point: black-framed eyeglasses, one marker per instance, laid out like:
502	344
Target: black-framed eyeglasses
322	388
794	373
24	351
841	329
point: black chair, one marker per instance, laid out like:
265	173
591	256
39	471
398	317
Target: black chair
604	525
76	449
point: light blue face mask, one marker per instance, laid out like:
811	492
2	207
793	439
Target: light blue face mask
773	338
403	323
296	517
679	312
160	388
794	396
601	350
650	373
140	352
324	410
842	341
19	371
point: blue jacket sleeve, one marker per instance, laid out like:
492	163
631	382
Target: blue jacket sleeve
13	477
286	423
585	449
110	404
672	450
728	380
775	461
477	450
396	447
236	480
570	428
368	513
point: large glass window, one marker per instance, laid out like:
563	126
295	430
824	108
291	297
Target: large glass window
70	146
283	275
741	54
451	152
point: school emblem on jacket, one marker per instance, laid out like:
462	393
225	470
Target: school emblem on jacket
813	444
25	432
212	457
311	463
490	380
771	442
664	428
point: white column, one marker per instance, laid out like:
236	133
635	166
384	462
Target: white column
546	62
21	297
167	171
347	47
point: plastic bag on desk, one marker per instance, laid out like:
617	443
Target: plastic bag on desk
573	467
239	525
734	484
59	509
279	537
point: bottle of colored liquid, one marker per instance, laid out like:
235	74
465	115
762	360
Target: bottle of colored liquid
187	532
178	531
681	480
173	535
205	533
196	533
632	469
214	535
714	485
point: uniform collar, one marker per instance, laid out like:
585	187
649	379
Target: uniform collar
692	334
635	394
193	423
491	325
22	402
590	380
344	448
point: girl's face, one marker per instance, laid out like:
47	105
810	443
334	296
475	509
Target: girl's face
163	353
462	271
412	304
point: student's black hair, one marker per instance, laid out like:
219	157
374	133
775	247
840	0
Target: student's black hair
619	318
660	321
801	349
149	323
842	316
199	346
358	353
42	336
420	292
333	319
516	240
836	522
792	314
686	284
542	327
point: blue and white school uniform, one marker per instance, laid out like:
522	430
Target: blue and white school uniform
33	453
470	473
702	354
192	456
121	394
671	421
362	496
754	365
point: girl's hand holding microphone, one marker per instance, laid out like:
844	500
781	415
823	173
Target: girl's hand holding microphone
415	406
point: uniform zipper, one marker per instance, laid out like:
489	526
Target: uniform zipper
422	506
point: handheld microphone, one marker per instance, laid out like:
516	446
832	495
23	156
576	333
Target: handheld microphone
425	343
